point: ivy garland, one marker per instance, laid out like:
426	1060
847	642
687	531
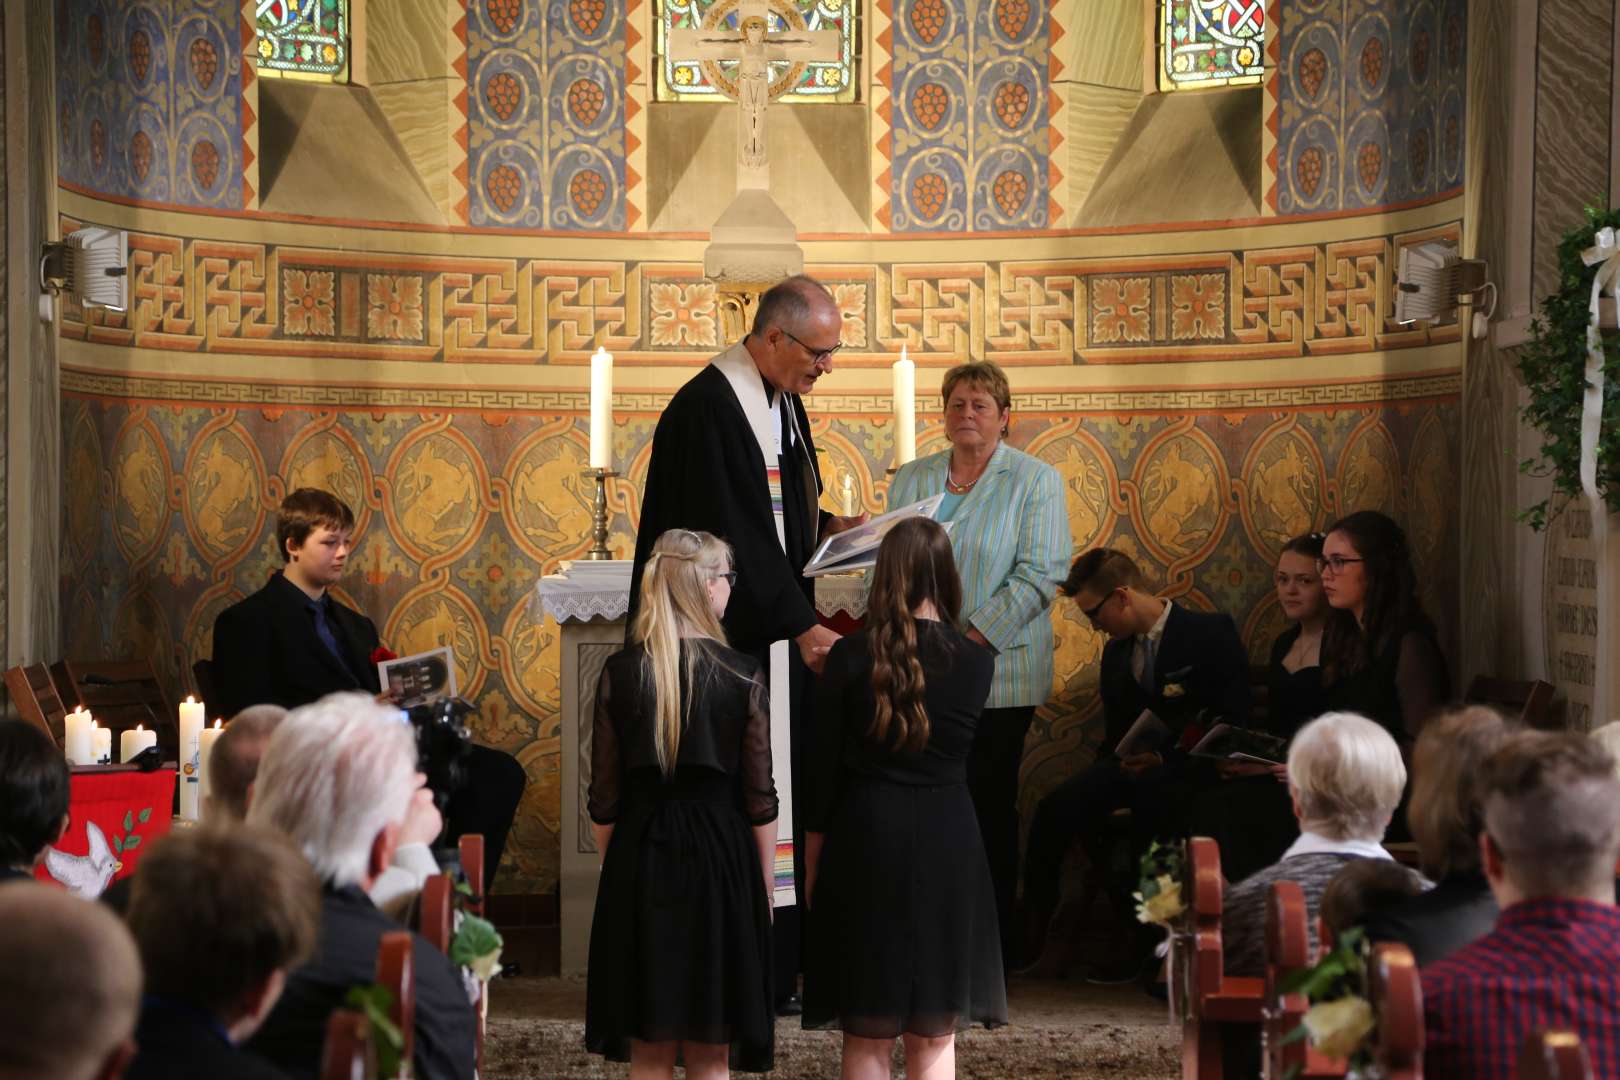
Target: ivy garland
1552	366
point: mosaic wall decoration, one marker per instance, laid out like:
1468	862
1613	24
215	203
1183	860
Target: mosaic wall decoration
1314	300
1208	43
1366	103
149	99
546	114
306	38
969	111
686	79
464	499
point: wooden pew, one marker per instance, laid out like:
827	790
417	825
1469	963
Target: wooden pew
1213	998
1288	950
472	865
1554	1055
396	972
37	701
1397	1001
348	1053
436	911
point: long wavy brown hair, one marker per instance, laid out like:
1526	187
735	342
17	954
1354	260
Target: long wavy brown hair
914	566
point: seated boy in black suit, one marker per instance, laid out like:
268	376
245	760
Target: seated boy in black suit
292	643
1185	667
221	915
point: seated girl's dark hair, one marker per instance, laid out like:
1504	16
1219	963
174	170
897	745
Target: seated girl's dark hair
33	792
1306	544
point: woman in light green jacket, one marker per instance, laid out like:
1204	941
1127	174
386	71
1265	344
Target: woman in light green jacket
1010	535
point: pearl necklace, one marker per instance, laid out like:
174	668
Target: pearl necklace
961	489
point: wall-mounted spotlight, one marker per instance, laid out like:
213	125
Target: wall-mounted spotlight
1432	282
90	265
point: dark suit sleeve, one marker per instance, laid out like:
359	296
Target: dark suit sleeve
1122	699
241	659
360	635
703	475
1233	698
446	1028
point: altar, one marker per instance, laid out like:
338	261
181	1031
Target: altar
589	601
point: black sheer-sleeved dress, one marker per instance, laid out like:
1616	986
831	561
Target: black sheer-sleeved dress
902	935
681	942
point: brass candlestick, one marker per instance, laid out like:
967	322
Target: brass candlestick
599	515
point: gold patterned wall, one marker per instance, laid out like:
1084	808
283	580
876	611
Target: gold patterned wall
1204	395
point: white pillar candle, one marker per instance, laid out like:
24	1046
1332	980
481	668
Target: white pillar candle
191	724
79	742
601	409
131	743
101	744
905	409
205	746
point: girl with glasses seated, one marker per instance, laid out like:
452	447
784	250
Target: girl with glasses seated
1380	654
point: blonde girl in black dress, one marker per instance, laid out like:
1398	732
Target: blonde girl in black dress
684	809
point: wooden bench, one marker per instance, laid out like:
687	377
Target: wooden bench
1527	701
37	701
396	973
1554	1055
1197	976
348	1052
1397	1000
1288	951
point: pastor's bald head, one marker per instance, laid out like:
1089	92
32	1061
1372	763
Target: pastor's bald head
71	988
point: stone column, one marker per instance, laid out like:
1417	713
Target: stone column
33	407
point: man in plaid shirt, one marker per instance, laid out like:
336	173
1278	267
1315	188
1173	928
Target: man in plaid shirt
1551	807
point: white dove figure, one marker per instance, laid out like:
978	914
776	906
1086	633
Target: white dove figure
84	875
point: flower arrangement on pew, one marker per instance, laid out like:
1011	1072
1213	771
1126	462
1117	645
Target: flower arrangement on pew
476	944
1158	894
374	1002
1340	1022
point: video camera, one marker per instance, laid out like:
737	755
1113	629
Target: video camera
443	744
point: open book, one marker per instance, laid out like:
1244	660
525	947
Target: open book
856	549
1147	734
1230	743
424	677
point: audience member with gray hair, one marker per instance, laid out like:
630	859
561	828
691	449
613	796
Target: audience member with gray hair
1550	806
1345	777
338	778
71	988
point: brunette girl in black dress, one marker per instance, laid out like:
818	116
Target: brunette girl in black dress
902	936
683	805
1380	655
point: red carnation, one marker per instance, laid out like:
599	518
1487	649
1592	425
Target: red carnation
382	653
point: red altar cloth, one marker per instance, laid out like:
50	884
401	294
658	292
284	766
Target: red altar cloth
114	814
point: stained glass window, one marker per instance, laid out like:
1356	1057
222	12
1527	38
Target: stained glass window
685	79
1211	43
302	39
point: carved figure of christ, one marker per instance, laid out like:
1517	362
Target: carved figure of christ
754	47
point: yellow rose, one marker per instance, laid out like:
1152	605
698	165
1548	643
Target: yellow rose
1174	690
1337	1028
1165	906
488	966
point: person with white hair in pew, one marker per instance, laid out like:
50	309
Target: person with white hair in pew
1345	777
338	777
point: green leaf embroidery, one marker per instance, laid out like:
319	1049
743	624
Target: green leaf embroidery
145	815
118	844
129	821
132	843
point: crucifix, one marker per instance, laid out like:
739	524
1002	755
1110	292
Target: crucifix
754	46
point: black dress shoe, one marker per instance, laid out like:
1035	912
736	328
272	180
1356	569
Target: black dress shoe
792	1005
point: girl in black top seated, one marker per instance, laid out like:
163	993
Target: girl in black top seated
683	805
1380	655
1250	816
902	935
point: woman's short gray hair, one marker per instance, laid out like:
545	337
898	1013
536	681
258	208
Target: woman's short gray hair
335	774
1347	775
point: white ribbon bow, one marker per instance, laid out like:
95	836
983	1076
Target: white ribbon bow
1607	280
